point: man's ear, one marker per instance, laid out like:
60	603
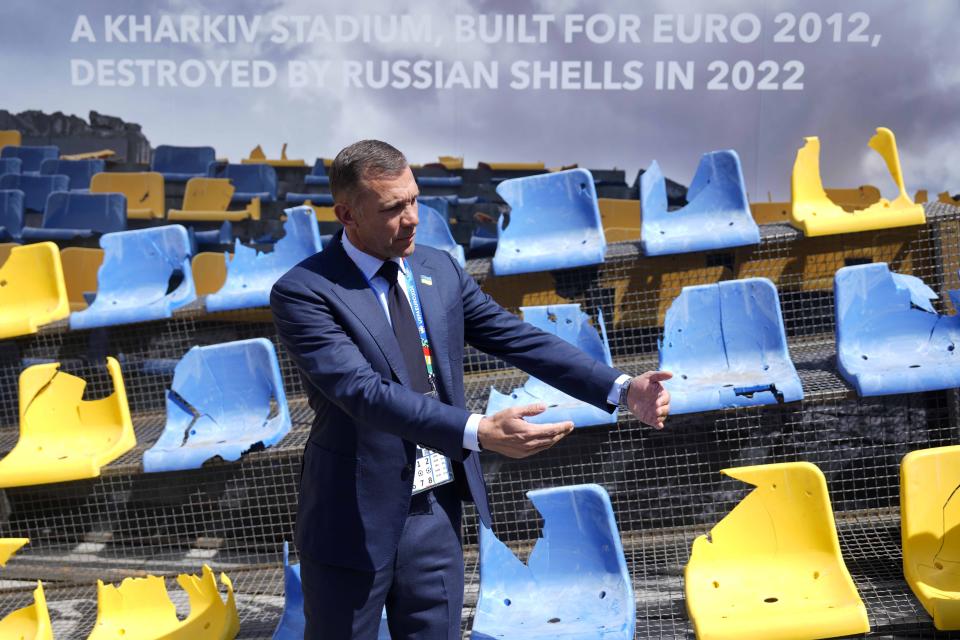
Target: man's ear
344	213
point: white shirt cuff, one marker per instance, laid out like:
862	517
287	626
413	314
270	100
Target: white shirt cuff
470	439
614	396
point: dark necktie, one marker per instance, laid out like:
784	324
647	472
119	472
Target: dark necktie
405	329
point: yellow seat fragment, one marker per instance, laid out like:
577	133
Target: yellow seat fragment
772	569
32	290
207	199
620	218
813	212
257	156
9	546
29	623
62	436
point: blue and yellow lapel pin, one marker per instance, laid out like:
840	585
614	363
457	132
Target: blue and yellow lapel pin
427	280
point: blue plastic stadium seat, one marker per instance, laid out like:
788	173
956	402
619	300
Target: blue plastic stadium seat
35	188
717	216
225	399
138	269
433	231
250	181
251	274
179	164
441	203
317	199
292	623
11	214
726	347
79	171
889	337
10	165
440	181
215	238
483	242
71	214
30	157
569	323
318	175
554	223
575	583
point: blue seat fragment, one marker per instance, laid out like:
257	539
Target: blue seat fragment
726	347
72	214
11	214
318	175
249	181
554	223
890	339
35	187
433	231
79	171
31	158
251	274
225	399
10	165
568	322
179	164
575	583
136	280
717	216
292	622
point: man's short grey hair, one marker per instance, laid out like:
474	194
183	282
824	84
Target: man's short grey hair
363	160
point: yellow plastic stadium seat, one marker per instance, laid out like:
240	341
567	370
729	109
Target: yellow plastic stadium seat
207	199
140	609
9	546
257	156
930	529
621	219
514	166
848	199
32	290
772	569
100	154
813	212
451	163
80	267
144	192
209	272
10	137
31	622
62	436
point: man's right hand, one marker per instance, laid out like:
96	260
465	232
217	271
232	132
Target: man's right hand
508	433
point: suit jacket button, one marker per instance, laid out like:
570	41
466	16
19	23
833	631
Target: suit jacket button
407	470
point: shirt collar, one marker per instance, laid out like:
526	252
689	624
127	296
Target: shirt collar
369	265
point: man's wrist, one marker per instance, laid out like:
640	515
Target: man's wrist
624	392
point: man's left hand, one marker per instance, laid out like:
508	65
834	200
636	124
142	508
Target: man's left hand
648	400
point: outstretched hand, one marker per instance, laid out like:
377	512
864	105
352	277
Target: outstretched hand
508	433
648	400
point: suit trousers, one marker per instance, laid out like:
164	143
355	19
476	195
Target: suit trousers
421	587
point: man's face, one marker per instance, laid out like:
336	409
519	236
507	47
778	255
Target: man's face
381	218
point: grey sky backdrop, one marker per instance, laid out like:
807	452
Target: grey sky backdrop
910	82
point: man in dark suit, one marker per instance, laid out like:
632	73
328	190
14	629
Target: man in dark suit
377	326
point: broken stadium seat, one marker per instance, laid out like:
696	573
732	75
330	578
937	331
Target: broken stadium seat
568	322
141	609
31	622
9	546
225	400
11	214
249	181
554	223
31	158
207	199
251	274
717	215
889	337
772	569
34	292
80	267
930	526
813	212
62	436
79	171
318	175
726	347
36	188
434	231
179	164
575	583
257	156
9	165
145	276
70	215
144	191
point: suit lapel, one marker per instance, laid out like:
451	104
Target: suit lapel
433	310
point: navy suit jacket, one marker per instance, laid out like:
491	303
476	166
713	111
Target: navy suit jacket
357	478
